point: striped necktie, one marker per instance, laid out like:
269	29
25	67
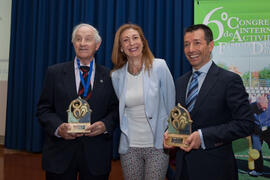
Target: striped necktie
192	91
85	70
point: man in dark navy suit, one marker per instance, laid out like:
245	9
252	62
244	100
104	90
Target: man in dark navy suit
68	155
219	108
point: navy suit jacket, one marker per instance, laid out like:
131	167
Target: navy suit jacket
223	114
58	91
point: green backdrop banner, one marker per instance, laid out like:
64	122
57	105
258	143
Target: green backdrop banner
241	31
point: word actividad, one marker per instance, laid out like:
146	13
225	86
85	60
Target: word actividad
250	37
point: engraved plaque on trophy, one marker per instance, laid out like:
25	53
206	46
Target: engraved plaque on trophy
179	126
79	116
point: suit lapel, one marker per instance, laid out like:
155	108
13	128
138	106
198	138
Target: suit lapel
69	80
209	82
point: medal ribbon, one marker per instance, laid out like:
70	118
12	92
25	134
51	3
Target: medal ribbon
85	86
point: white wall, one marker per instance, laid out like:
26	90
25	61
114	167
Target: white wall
5	18
5	21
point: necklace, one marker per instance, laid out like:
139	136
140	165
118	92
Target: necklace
136	73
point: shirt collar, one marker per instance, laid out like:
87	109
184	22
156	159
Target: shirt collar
204	68
76	65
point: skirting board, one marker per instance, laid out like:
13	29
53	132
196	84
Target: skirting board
2	140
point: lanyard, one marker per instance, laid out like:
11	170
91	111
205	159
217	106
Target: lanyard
85	86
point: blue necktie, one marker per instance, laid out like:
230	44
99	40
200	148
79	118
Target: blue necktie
192	91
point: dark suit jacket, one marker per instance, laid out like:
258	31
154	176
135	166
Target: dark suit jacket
58	91
223	114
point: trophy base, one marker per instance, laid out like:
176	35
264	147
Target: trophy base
79	128
176	140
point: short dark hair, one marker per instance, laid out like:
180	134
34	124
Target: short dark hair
208	34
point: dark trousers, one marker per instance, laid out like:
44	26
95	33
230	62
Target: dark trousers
183	173
77	168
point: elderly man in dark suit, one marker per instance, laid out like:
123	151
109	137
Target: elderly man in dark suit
67	155
219	107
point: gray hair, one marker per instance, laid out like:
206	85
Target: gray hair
75	29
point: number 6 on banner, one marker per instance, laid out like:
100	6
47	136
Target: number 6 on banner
207	21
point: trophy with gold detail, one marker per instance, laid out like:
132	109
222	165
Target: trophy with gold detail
79	116
179	126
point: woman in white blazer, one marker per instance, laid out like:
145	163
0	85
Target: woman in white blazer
146	93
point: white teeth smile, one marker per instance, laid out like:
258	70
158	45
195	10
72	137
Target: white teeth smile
194	56
133	49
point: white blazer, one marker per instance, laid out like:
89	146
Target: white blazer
159	99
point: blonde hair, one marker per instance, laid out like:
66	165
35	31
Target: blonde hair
119	59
